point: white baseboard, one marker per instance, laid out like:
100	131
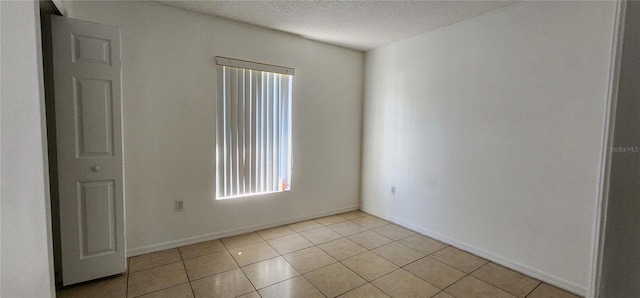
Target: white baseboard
136	251
535	273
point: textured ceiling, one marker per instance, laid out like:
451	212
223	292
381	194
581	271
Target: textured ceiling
360	25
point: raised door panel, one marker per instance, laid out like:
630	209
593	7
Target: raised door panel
97	218
94	117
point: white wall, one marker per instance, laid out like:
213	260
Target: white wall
26	259
621	261
492	131
169	89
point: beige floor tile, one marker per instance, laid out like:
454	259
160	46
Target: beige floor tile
352	214
369	239
297	287
423	244
347	228
154	260
459	259
369	265
154	279
366	291
443	294
548	291
275	232
179	291
108	287
250	295
471	287
309	259
241	240
329	220
435	272
398	254
513	282
201	249
370	222
334	279
401	283
304	225
290	243
253	253
320	235
214	271
342	248
209	265
394	232
232	283
266	273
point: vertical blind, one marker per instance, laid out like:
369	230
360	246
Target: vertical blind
253	136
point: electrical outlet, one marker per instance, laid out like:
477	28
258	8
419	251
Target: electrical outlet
179	205
393	190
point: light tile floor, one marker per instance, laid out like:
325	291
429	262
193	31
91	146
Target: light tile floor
352	254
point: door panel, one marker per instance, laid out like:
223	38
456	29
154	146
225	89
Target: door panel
91	49
94	117
97	218
88	108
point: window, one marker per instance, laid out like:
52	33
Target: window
253	134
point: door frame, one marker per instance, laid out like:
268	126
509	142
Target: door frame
602	201
57	7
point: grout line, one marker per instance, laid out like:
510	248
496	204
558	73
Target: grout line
126	293
496	286
155	291
263	230
290	278
186	272
302	274
278	255
343	258
487	282
321	267
218	273
230	248
403	267
336	262
245	274
392	271
371	250
439	250
167	287
267	259
371	283
467	274
154	267
305	278
192	291
534	289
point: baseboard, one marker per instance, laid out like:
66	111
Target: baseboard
535	273
136	251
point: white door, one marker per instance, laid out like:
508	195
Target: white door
88	110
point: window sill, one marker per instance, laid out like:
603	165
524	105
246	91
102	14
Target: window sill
251	195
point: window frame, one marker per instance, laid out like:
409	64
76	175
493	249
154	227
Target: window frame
274	164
